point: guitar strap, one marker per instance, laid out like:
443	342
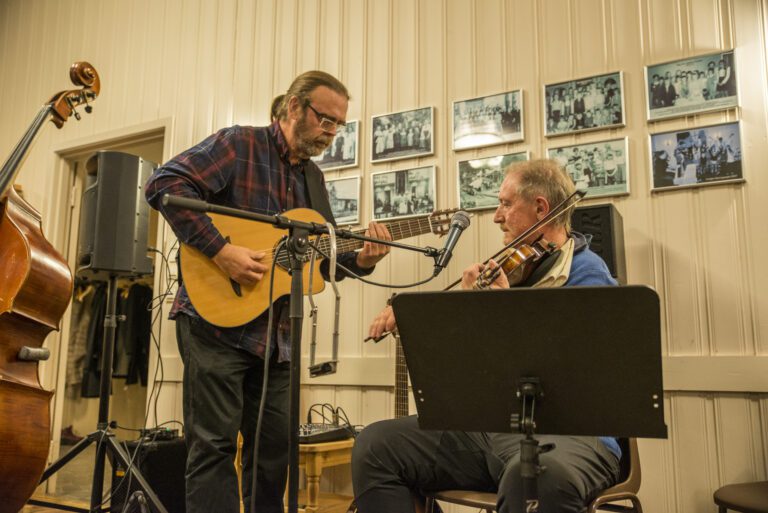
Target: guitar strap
318	196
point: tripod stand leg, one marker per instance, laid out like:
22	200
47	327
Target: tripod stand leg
131	472
63	460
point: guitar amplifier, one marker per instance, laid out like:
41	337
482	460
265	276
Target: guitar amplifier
162	464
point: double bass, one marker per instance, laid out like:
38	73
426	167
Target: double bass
35	290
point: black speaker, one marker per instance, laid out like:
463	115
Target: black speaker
114	219
604	223
162	464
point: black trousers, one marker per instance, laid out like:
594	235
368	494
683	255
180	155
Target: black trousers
222	390
393	457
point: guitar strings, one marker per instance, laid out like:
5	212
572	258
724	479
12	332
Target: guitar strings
411	228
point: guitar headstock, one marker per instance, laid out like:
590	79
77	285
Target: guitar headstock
440	221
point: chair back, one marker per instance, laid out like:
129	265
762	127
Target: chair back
628	484
629	468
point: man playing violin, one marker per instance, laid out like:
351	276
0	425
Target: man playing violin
266	170
393	459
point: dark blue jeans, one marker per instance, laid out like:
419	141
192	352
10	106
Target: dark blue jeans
222	390
394	457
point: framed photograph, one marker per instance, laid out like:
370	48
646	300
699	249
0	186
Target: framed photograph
585	104
344	196
689	86
488	120
342	152
480	180
403	193
696	156
600	168
402	135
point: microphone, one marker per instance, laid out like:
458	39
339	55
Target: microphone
459	222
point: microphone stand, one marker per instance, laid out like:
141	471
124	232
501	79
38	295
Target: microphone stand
298	242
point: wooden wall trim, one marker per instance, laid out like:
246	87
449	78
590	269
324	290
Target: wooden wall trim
680	373
716	373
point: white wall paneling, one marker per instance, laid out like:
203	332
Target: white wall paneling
206	64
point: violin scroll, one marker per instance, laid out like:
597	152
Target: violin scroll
63	103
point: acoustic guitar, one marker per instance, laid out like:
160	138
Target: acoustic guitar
223	302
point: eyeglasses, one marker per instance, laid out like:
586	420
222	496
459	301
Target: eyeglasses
327	123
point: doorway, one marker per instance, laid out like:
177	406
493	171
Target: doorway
74	415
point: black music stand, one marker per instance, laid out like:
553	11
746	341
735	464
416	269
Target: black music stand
567	361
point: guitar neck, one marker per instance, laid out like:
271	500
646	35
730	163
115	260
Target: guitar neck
398	229
401	381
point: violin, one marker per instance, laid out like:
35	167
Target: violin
35	290
518	263
519	259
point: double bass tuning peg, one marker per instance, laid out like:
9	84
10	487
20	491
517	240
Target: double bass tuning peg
71	105
88	95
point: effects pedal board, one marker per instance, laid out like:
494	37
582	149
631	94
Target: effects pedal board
318	433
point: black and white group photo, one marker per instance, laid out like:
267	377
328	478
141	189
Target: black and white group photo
600	168
488	120
696	156
584	104
687	86
402	135
403	193
342	152
344	197
480	180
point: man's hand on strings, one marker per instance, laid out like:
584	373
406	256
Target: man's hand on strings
371	252
473	272
241	264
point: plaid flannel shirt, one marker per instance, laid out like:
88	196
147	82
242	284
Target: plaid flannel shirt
246	168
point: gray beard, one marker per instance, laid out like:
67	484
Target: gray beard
307	147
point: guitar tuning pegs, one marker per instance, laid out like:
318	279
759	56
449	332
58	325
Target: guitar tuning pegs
88	109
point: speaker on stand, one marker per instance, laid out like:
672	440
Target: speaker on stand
113	242
114	220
